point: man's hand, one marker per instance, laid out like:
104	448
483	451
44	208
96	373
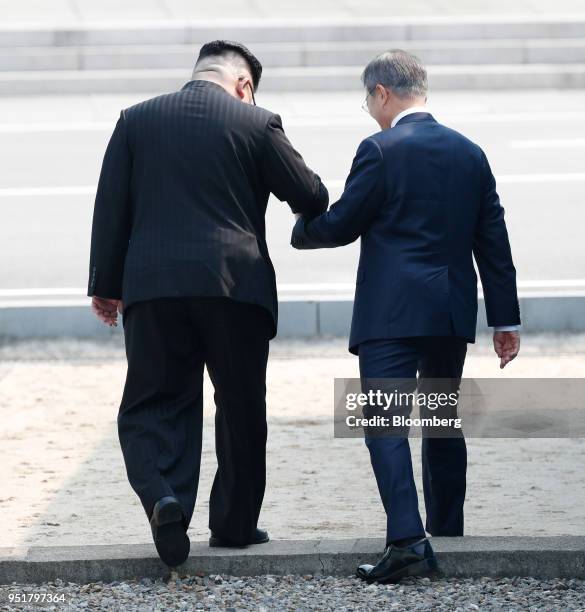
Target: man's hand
107	309
506	345
298	232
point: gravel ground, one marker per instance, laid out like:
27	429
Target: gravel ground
308	593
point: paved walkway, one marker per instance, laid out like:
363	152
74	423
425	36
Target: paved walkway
49	143
63	477
82	12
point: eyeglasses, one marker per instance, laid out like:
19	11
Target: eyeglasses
365	104
251	89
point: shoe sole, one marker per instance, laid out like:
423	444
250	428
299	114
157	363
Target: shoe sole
169	513
171	541
427	567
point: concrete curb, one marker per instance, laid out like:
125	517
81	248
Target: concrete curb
539	557
298	318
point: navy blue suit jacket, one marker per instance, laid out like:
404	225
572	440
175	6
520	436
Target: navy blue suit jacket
423	199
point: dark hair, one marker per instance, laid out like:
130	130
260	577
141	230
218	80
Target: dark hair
399	71
221	47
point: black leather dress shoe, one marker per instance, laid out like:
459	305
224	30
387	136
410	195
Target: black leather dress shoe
169	531
260	537
417	559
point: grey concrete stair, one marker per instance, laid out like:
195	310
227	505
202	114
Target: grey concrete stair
298	54
449	28
514	76
487	53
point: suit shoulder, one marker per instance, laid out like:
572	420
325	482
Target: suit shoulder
262	116
254	117
144	105
461	140
373	142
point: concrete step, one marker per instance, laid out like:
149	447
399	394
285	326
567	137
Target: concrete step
322	78
438	28
306	315
475	556
350	53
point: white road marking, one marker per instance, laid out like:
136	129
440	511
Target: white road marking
560	177
564	284
353	120
506	179
284	288
548	143
41	291
75	126
44	303
47	191
349	120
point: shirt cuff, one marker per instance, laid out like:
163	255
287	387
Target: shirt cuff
506	328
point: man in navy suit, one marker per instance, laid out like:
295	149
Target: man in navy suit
423	200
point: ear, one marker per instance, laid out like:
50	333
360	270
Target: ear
241	83
383	94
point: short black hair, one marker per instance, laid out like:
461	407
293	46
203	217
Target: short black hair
220	47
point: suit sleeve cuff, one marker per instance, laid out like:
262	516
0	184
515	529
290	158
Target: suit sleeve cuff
508	328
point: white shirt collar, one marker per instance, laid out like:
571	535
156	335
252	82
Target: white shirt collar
408	111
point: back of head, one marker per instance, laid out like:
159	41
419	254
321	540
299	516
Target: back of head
227	57
399	71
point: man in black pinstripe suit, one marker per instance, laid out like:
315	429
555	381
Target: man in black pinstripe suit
178	247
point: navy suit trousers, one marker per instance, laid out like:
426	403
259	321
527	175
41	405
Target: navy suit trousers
444	459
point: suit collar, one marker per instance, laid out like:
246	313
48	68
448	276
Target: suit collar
415	118
202	83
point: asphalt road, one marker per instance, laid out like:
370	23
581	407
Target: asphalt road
51	150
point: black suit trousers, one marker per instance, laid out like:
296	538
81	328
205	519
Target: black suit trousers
160	420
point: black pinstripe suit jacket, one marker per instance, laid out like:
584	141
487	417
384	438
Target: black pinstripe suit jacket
182	196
